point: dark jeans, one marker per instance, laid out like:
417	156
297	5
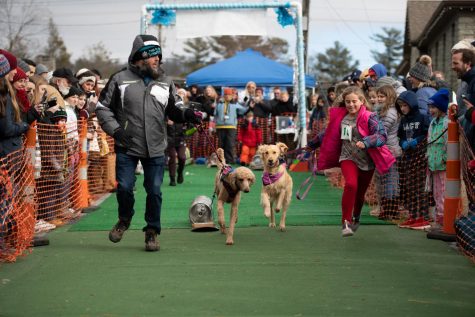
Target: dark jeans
153	178
227	141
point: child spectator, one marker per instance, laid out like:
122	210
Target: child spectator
250	135
412	133
80	110
373	99
87	82
353	140
225	114
437	150
420	78
388	184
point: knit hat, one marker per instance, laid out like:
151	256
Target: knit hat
23	65
422	70
20	74
40	69
73	91
84	75
440	100
227	91
65	73
59	114
10	57
4	66
385	81
145	46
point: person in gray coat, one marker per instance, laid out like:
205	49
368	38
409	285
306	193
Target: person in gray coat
133	108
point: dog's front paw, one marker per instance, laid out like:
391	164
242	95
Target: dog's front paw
271	224
282	228
229	242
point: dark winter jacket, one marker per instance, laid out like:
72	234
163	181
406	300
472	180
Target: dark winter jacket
10	131
176	134
139	106
413	125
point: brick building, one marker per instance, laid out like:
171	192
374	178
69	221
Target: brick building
433	27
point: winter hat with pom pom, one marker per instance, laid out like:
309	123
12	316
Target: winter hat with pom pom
422	70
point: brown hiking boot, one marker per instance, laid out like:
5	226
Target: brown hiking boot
151	241
115	235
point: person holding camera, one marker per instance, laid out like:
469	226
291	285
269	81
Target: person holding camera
133	109
260	107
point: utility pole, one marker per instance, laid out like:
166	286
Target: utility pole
306	23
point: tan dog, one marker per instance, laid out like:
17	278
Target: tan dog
276	191
228	190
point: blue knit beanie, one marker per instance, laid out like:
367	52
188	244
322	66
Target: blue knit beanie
4	66
440	100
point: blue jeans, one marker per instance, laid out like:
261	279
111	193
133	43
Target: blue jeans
153	179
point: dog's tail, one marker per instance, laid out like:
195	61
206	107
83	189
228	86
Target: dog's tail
221	159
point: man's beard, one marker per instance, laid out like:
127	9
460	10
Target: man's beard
147	70
64	90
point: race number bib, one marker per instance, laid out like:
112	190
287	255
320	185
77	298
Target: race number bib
346	132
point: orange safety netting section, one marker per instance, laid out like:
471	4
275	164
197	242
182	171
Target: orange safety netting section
101	161
17	205
57	170
45	184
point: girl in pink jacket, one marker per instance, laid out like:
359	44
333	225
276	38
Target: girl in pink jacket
355	141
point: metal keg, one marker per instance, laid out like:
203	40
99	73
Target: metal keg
200	214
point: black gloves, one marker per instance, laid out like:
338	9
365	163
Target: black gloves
121	137
193	116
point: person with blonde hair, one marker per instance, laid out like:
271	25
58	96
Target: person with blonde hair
355	141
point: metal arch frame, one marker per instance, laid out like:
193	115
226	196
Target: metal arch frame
296	6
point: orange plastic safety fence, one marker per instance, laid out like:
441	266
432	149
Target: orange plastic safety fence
58	163
101	162
17	205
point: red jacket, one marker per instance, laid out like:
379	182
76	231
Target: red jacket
250	134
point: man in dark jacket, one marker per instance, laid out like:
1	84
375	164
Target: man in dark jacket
133	108
463	61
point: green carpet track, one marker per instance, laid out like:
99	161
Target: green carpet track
306	271
321	206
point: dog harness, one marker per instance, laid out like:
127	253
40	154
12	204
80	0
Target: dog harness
226	170
268	178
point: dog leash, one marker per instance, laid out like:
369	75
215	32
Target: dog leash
309	181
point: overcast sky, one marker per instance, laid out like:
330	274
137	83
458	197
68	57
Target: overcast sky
82	23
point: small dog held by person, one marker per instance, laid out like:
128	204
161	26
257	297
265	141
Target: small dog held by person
277	184
229	184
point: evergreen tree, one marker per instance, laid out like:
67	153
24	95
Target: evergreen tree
55	50
333	65
198	54
226	46
98	57
392	40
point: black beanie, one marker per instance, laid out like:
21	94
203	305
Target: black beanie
145	46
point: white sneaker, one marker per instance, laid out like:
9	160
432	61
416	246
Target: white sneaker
42	226
346	231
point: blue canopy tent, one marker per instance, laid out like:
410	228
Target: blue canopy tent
246	66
